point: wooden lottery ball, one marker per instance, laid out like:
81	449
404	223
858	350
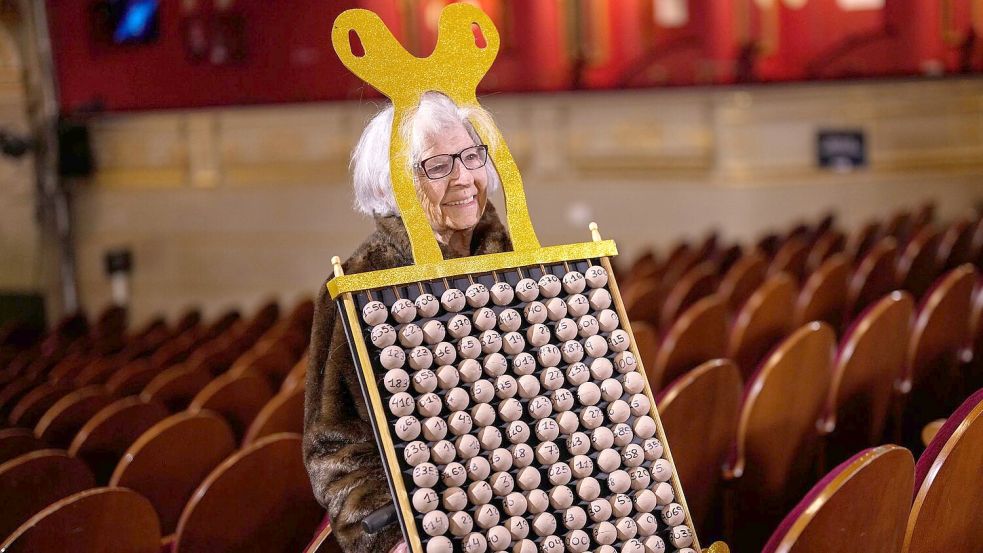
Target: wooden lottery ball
407	428
632	382
506	387
425	475
522	455
622	434
644	427
548	355
551	544
565	329
396	380
596	276
544	524
596	346
540	407
578	443
571	351
645	501
588	393
625	362
527	290
574	518
483	414
602	438
547	430
687	550
444	354
608	320
534	312
632	546
454	474
489	437
568	422
459	326
587	326
627	529
501	459
499	538
528	478
421	357
653	449
608	460
469	369
374	313
509	320
538	335
618	340
562	399
661	470
664	494
559	474
605	549
577	305
427	305
502	483
619	481
467	446
439	544
479	493
514	505
434	331
577	541
577	374
599	510
425	500
556	309
573	282
523	364
654	544
525	546
442	452
478	468
640	478
510	410
447	375
528	386
484	319
647	524
605	533
517	432
551	378
561	497
460	523
482	391
392	357
581	466
486	515
477	295
502	293
475	543
547	453
383	335
401	404
681	536
640	405
620	505
588	488
618	411
537	501
673	514
416	453
549	285
611	390
513	343
591	417
424	381
469	347
403	310
457	399
599	299
601	368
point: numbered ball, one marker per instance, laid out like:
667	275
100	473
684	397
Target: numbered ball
627	529
454	474
421	357
588	489
469	347
479	493
664	494
374	313
620	505
591	417
537	501
578	444
655	544
573	282
425	475
547	430
681	536
461	523
403	310
427	305
486	516
561	497
401	404
574	518
434	331
608	320
509	320
618	340
565	329
625	362
653	449
442	452
439	544
538	335
556	309
410	335
491	342
596	346
510	409
549	285
618	411
619	481
539	407
527	290
599	510
467	446
596	276
499	538
501	459
434	428
392	357
459	326
544	524
457	399
515	505
482	391
416	453
490	438
484	319
661	470
600	299
605	533
640	405
407	428
483	414
577	541
588	326
502	293
551	378
425	500
547	453
454	499
495	364
475	543
470	370
645	501
396	380
646	523
383	335
502	483
452	300
424	381
477	295
562	399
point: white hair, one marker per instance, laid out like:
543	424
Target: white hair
370	158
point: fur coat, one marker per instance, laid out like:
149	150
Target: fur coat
340	451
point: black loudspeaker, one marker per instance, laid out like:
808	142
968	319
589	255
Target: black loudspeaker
74	150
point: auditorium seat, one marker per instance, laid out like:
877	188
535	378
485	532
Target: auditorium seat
743	278
698	335
170	459
643	301
824	295
698	282
324	541
647	343
267	488
103	520
34	480
777	442
15	442
175	387
283	413
131	378
861	505
97	371
763	320
238	398
104	438
865	239
701	438
298	375
62	421
955	248
791	259
273	365
919	265
66	369
828	243
875	276
28	410
945	515
13	391
870	359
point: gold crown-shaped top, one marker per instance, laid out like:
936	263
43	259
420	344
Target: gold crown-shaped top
455	68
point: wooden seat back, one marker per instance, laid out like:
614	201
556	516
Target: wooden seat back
15	442
875	276
283	413
956	245
28	410
103	440
131	378
643	301
34	480
238	398
65	418
699	335
698	282
791	258
919	265
298	374
175	387
762	322
743	278
829	243
824	294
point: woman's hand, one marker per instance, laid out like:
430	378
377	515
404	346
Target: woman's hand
400	547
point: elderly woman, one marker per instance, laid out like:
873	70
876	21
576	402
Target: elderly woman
453	179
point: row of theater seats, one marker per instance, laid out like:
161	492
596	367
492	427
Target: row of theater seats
757	394
177	438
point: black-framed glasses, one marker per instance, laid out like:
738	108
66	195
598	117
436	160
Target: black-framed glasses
441	165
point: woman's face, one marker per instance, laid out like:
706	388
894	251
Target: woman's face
454	202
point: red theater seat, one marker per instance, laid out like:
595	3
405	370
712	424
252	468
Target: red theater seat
34	480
